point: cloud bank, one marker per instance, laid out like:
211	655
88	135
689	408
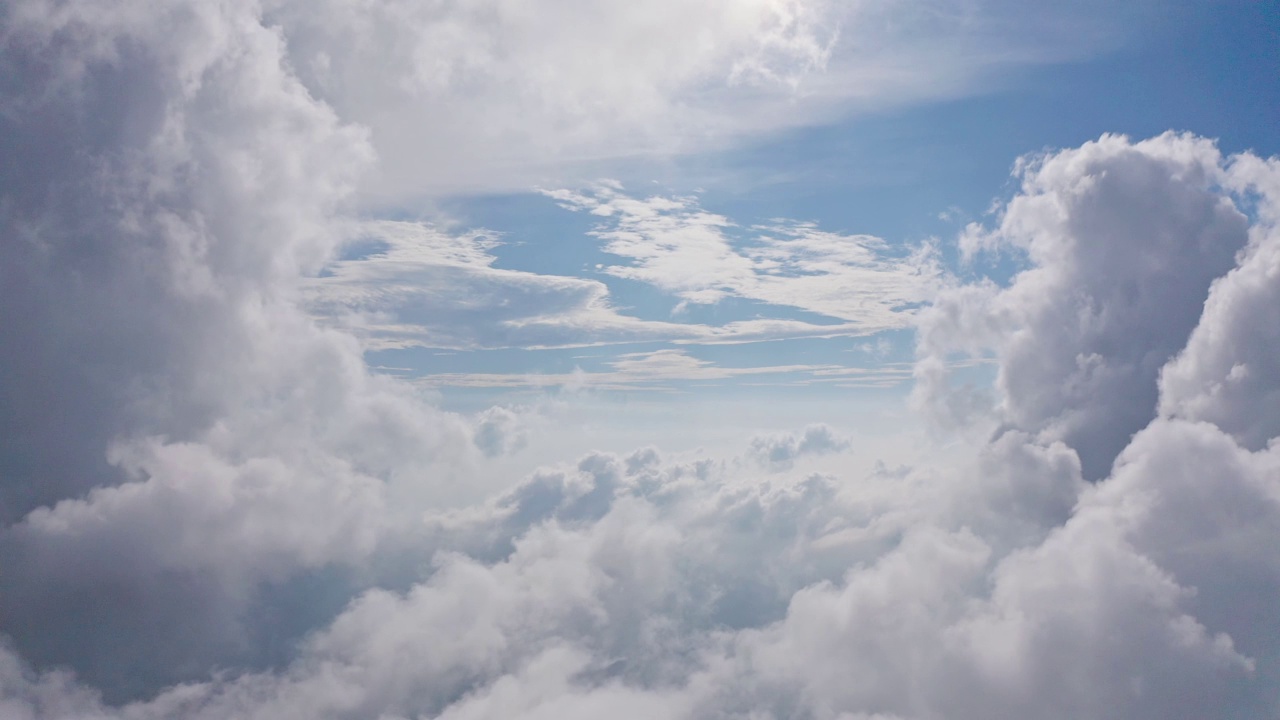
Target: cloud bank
491	95
212	508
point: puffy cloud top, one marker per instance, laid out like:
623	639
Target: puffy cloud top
1122	241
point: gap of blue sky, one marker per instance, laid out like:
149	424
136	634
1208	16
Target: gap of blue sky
911	175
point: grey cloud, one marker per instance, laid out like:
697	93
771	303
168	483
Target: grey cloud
781	451
707	595
1229	373
1123	240
500	431
177	432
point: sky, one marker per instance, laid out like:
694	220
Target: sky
812	359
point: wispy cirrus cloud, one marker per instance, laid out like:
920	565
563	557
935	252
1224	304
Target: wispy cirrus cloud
486	95
702	257
418	285
656	370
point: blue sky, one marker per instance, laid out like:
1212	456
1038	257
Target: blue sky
910	173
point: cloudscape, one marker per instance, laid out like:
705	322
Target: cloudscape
667	359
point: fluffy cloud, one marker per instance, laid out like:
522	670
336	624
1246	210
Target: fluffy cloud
1229	373
687	589
780	451
499	431
178	432
1122	241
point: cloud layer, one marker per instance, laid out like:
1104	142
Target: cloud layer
1005	584
416	285
490	95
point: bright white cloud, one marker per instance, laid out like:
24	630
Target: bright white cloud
675	245
421	286
493	94
689	589
478	94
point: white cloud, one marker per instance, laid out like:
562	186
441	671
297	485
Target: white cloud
182	437
779	452
1229	373
526	91
694	590
1123	240
421	286
489	94
675	245
500	431
177	184
673	367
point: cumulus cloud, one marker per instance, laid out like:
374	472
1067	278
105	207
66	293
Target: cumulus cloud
178	431
687	588
1229	373
211	508
780	451
1122	241
499	431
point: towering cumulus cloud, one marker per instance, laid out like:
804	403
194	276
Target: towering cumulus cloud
1123	241
212	508
175	431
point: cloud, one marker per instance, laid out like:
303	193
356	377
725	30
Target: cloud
680	248
1122	241
691	589
485	95
500	431
526	91
213	509
669	368
915	639
1228	372
406	293
781	451
179	434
